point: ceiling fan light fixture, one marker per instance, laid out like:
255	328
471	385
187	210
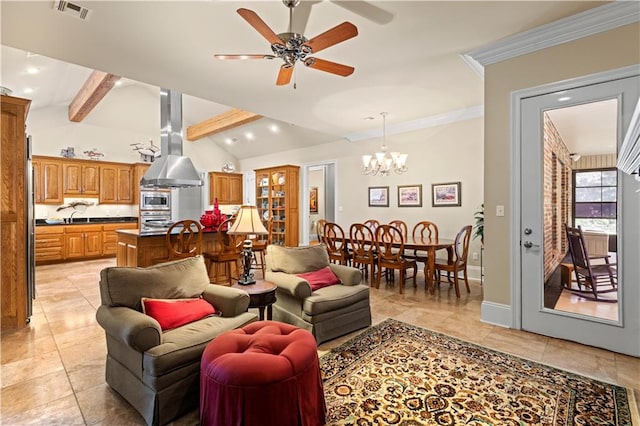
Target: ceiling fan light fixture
292	47
382	163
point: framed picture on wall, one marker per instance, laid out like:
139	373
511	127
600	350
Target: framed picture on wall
410	196
446	194
378	196
313	199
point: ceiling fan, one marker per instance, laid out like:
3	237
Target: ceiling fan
292	47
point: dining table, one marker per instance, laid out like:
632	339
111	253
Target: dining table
430	246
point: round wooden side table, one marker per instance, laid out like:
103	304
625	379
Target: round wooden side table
262	295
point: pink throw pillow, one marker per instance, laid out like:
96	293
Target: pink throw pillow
172	313
321	278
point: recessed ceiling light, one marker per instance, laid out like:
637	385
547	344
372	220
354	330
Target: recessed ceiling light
274	128
249	136
33	70
368	118
119	83
564	98
230	141
27	90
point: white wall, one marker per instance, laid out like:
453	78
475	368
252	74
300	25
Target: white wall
127	115
448	153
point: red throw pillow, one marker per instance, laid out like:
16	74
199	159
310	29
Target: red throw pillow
172	313
321	278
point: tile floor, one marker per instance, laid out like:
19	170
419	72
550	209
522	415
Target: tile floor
52	372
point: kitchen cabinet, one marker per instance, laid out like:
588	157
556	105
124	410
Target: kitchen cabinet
47	183
277	197
81	178
83	241
49	243
139	169
115	184
13	221
226	187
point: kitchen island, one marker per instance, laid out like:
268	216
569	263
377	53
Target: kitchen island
136	248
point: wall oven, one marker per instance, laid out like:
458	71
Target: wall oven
155	200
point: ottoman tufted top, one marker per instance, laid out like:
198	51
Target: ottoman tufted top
260	353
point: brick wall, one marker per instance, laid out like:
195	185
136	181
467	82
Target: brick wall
557	196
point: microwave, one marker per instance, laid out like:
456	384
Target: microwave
155	200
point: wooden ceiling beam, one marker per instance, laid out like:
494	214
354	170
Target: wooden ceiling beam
219	123
90	94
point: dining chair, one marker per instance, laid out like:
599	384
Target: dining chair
458	262
186	242
227	252
320	229
363	251
423	231
390	246
402	226
592	276
334	240
372	224
260	244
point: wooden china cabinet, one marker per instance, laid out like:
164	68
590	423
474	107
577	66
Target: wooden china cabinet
277	197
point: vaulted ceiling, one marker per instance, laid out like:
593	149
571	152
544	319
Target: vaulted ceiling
406	58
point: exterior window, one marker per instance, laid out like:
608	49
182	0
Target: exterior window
595	195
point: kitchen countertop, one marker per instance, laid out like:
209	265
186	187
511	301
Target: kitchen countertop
156	233
90	220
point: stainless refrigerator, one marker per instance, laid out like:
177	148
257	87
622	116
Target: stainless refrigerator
30	237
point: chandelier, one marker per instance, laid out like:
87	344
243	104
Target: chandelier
383	162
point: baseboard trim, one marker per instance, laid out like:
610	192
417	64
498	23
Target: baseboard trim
496	314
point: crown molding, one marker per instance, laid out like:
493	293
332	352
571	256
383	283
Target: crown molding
420	123
589	22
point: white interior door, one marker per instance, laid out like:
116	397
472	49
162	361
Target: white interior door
620	335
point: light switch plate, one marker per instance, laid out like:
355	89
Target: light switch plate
499	210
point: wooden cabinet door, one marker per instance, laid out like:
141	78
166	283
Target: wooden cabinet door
37	181
108	188
139	169
48	181
91	179
226	187
124	185
13	284
115	184
72	179
235	189
74	245
51	181
93	243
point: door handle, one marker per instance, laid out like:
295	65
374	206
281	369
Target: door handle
529	244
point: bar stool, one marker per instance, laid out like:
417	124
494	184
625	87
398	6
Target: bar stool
185	243
228	252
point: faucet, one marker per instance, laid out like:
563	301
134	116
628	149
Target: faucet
71	217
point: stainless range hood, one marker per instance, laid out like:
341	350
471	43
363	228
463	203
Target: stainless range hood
171	169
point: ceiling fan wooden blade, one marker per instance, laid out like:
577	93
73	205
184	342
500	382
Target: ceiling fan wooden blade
335	35
256	22
225	56
328	66
284	76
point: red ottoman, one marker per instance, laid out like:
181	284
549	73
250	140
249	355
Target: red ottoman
266	373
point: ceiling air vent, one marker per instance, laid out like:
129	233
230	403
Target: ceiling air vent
72	9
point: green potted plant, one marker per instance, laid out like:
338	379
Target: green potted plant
479	226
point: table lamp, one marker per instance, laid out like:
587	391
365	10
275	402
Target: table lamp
247	222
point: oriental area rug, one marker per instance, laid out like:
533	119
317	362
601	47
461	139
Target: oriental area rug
399	374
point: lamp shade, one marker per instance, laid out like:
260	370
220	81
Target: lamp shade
247	222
